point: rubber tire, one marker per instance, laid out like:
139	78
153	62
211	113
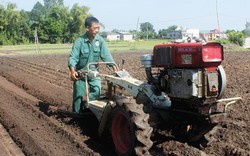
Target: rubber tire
130	129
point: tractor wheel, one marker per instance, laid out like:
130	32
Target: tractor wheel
130	129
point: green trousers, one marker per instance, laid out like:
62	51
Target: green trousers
79	92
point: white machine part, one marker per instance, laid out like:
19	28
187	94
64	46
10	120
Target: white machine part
134	86
185	83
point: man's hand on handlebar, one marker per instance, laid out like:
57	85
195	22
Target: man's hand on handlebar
115	68
74	75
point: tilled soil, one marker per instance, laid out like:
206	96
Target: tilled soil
32	84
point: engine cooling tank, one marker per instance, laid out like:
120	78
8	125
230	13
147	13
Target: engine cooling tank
188	55
147	60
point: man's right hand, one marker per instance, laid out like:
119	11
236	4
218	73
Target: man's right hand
74	74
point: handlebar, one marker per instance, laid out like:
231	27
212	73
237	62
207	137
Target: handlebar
92	73
100	63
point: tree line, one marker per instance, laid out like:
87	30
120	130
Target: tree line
52	22
147	32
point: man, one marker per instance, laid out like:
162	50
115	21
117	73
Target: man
87	48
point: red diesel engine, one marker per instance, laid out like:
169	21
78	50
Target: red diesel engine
187	71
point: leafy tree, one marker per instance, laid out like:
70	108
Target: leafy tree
147	31
60	3
48	4
228	31
236	37
38	12
134	32
116	30
78	16
247	25
145	27
3	24
163	32
12	15
24	28
55	25
3	19
172	28
9	23
246	31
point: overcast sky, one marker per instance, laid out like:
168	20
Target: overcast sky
198	14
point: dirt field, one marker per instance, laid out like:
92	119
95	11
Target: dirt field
29	84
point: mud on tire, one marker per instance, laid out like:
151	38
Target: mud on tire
130	128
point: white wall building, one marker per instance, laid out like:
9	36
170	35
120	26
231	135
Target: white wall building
183	33
247	43
111	36
125	36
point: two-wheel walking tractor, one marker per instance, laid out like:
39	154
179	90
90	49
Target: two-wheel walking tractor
182	91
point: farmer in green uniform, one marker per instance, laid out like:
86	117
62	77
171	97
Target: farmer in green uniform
87	48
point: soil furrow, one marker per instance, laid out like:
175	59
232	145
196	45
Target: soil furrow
36	133
50	77
38	67
50	93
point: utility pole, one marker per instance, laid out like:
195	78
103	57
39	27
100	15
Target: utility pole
218	23
137	25
136	31
247	25
147	30
38	50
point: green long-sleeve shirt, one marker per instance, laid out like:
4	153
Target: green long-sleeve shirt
83	52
